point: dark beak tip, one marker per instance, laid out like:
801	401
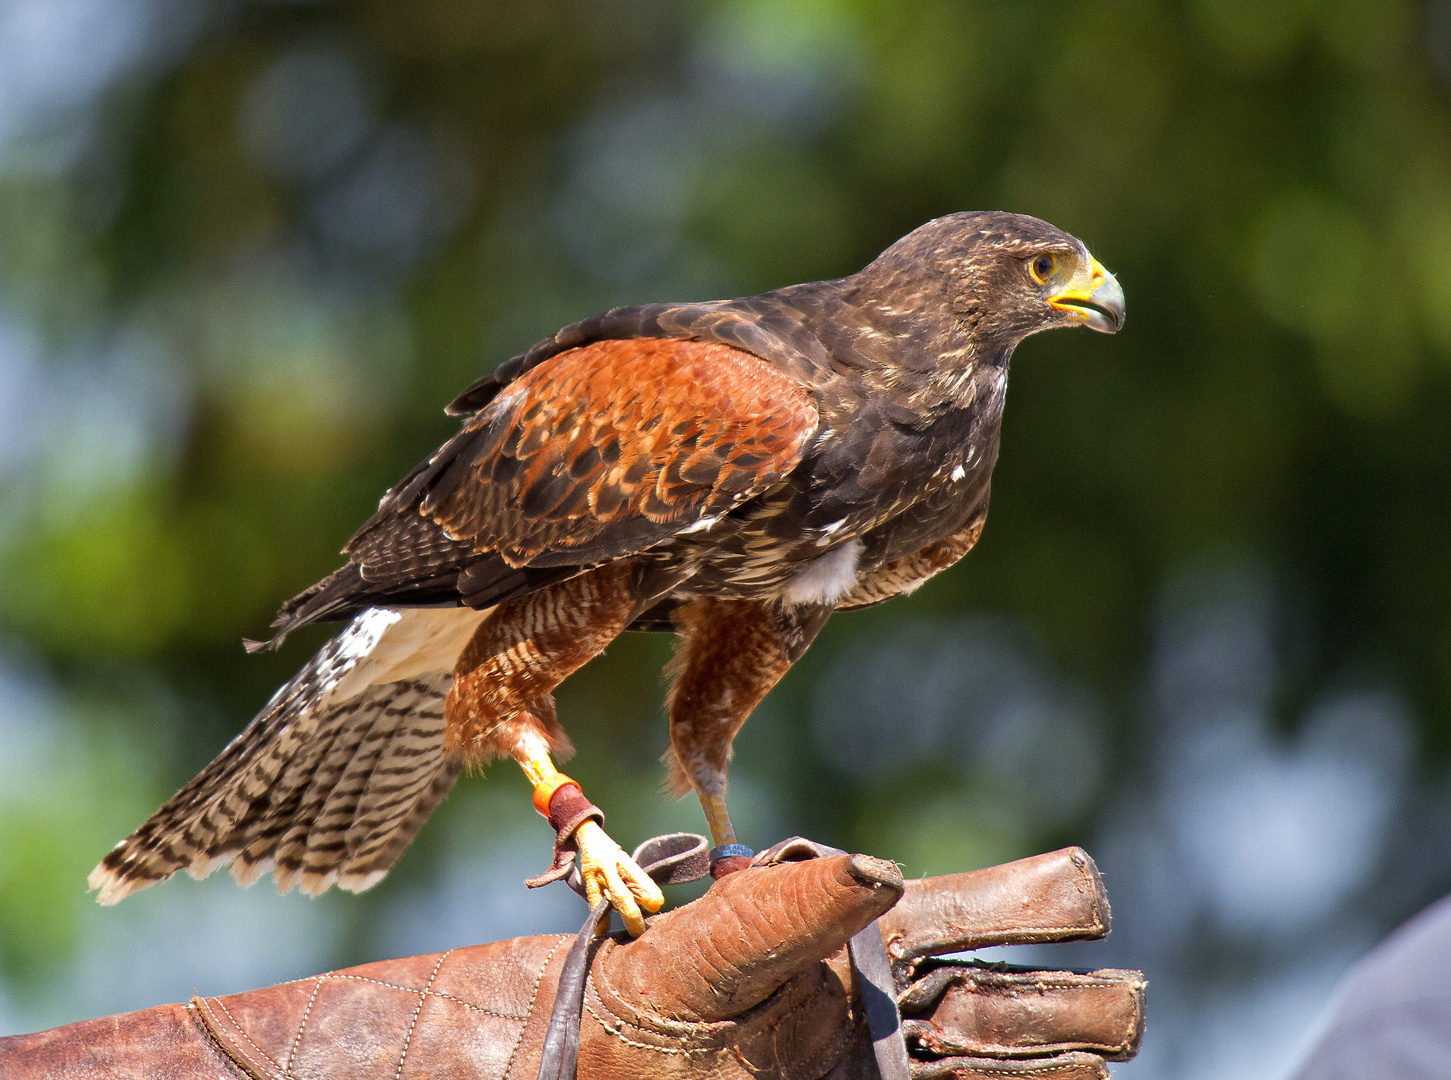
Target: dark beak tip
1109	301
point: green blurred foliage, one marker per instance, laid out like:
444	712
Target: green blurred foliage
1270	181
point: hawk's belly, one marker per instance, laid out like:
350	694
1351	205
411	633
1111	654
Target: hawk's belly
767	552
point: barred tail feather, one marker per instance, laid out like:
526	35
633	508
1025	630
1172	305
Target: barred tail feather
327	785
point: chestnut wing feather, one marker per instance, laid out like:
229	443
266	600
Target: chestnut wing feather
605	450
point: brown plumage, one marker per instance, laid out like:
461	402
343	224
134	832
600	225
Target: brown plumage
733	470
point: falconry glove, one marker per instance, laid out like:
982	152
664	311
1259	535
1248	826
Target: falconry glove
751	980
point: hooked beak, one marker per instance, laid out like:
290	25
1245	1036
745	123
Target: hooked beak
1093	296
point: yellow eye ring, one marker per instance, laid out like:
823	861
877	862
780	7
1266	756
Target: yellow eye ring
1042	267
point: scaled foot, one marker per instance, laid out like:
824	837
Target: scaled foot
610	873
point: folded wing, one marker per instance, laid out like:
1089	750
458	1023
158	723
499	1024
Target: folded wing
596	453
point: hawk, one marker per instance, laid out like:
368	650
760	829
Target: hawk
733	471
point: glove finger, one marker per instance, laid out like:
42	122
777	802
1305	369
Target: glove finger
988	1012
1054	897
732	948
1071	1066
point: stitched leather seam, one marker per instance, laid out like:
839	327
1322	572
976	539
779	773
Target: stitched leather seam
1087	879
528	1012
836	1045
716	1029
292	1050
216	1042
1016	935
664	1028
429	993
413	1020
976	981
619	1032
1017	1072
247	1038
987	1048
1137	1028
1077	927
687	1028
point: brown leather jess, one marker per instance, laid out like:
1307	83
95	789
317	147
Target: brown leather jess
753	979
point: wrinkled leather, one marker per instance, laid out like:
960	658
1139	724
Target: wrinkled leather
1073	1066
1058	896
750	980
735	984
164	1043
996	1011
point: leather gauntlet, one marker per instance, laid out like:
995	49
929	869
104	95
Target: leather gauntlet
751	980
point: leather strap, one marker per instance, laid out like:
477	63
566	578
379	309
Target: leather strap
676	858
672	859
879	1000
561	1038
873	968
568	810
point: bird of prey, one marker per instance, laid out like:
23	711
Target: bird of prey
733	471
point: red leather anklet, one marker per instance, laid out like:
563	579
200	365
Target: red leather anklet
568	809
545	789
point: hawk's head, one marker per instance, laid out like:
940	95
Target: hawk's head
1005	276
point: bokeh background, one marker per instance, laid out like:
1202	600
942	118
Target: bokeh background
249	250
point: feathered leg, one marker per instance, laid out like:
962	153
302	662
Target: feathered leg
501	703
731	653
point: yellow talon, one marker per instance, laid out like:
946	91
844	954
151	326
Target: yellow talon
610	873
606	869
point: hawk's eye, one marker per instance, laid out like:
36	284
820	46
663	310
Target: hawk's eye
1042	268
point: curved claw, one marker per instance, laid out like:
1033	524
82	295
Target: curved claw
610	873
